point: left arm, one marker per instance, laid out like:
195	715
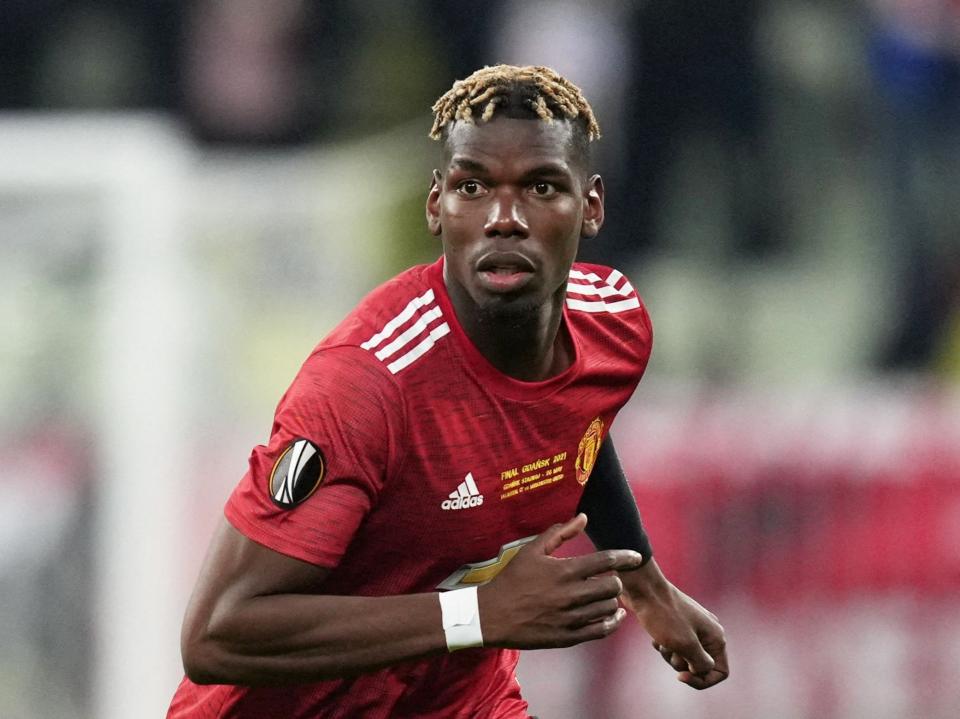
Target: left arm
688	636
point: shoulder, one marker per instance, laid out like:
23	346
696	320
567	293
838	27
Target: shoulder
346	370
606	294
407	296
602	304
396	323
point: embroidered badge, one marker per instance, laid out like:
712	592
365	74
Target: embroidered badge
588	450
297	474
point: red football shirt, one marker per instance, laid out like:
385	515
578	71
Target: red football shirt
436	467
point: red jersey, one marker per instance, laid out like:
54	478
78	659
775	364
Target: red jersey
432	469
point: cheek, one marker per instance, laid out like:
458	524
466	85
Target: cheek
453	210
564	222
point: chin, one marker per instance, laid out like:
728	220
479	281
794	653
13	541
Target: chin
517	311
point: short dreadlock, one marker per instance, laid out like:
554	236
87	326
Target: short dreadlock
534	92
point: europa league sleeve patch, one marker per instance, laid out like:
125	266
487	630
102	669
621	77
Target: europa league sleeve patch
297	474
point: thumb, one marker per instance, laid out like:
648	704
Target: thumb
558	534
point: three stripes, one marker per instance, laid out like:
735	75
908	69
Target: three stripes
416	340
598	290
426	324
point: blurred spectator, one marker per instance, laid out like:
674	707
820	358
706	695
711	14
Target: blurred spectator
915	59
245	75
464	35
63	54
695	73
587	43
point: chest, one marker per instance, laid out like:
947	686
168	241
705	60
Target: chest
482	473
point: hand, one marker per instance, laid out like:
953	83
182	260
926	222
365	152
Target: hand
539	601
688	637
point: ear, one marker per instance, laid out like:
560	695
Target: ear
433	204
592	207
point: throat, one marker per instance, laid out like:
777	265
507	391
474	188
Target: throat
527	346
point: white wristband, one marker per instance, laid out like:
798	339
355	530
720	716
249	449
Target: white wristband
460	614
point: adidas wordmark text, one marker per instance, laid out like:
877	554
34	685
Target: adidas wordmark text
466	495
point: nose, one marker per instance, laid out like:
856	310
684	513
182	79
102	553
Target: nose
506	217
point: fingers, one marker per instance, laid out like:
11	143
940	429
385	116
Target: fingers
702	682
558	534
617	560
581	616
672	658
594	589
690	657
697	659
715	645
598	629
696	679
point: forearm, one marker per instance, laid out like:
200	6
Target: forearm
255	619
644	584
296	638
687	636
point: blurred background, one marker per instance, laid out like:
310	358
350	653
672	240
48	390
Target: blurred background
193	193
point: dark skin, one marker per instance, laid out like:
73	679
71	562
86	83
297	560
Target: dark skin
510	207
511	201
257	617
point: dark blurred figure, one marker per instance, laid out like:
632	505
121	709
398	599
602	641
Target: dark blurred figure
255	72
915	60
21	26
695	71
81	54
237	71
462	32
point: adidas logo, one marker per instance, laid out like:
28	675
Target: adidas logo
466	495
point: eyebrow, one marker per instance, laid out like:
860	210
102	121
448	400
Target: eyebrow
462	163
548	169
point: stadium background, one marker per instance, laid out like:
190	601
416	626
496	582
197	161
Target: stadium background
191	194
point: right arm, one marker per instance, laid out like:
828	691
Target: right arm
258	617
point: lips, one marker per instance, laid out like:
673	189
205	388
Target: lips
504	272
504	263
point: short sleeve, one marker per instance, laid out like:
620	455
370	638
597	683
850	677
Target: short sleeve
337	435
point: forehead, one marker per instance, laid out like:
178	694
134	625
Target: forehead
512	140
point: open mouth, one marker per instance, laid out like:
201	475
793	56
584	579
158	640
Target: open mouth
504	263
504	271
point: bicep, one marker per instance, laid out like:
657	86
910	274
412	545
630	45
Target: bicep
350	416
237	569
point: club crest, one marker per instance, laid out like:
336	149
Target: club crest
588	450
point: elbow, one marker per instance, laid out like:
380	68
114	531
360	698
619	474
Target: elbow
200	663
202	657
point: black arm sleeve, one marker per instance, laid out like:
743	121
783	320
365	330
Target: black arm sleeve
614	520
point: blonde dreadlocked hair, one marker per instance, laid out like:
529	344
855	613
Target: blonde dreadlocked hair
535	90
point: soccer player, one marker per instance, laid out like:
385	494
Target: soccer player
392	546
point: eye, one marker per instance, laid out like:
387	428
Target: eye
470	188
544	189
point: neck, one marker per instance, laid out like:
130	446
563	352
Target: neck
526	343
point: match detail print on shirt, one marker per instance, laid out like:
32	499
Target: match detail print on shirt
423	321
533	475
595	292
297	474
